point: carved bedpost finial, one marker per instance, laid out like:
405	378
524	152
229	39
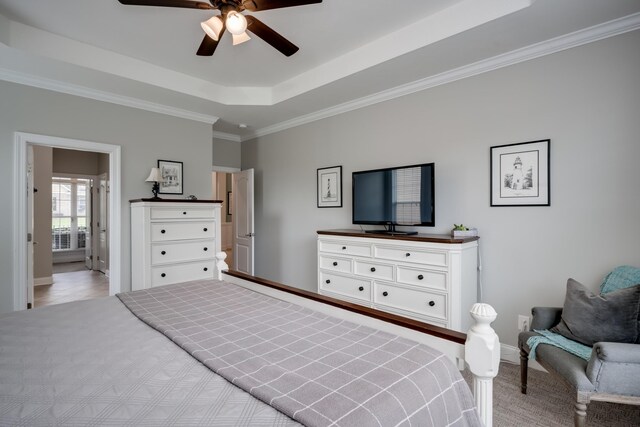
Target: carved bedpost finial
482	354
221	265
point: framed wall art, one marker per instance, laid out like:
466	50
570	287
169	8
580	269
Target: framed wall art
520	174
171	173
330	187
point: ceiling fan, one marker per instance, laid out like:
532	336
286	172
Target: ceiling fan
233	20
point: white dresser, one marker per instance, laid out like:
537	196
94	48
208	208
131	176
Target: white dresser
431	278
173	241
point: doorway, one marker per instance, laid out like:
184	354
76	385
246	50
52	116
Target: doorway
23	202
235	190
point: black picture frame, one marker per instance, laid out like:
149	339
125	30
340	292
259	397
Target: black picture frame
520	174
329	187
172	177
229	201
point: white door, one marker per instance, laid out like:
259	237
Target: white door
29	226
102	223
243	231
88	234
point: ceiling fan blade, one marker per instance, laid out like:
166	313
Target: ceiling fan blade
270	36
189	4
258	5
208	45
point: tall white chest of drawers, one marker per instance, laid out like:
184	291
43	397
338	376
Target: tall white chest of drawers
173	241
431	278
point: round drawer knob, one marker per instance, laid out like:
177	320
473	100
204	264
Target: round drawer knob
335	263
163	275
163	252
205	229
361	288
420	277
184	213
344	248
407	254
205	269
206	249
385	293
373	269
432	303
327	281
163	231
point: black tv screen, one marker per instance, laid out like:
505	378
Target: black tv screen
395	196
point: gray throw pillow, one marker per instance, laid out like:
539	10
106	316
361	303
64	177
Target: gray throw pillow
589	318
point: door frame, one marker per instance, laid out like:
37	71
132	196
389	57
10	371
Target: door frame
21	141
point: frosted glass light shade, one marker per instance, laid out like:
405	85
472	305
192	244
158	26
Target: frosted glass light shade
237	39
212	27
236	23
154	176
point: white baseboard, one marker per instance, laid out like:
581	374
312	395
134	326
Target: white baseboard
511	354
40	281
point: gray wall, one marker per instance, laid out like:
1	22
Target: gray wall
226	154
586	100
42	173
143	136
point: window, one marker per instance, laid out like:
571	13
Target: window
406	191
69	213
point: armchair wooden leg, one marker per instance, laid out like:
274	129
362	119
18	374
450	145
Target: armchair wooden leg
580	417
524	366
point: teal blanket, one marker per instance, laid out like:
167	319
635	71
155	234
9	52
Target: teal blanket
548	337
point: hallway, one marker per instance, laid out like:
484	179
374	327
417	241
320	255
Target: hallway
71	283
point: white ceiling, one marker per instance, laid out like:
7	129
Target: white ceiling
352	53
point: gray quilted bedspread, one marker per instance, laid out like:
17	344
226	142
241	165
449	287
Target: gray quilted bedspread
93	363
317	369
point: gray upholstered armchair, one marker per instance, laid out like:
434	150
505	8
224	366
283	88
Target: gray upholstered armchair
612	374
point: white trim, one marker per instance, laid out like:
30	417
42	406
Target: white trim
548	47
227	136
22	140
224	169
98	95
41	281
511	354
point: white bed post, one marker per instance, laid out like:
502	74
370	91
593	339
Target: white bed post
221	265
482	354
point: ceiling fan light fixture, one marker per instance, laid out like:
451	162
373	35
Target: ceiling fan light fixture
213	27
237	39
236	23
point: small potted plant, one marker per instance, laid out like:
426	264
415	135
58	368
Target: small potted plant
460	230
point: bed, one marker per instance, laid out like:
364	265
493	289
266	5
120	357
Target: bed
238	351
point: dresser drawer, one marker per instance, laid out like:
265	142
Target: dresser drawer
346	248
176	273
421	277
182	213
348	286
335	263
421	256
180	252
374	270
163	231
419	302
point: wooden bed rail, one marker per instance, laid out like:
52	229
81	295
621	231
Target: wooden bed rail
480	346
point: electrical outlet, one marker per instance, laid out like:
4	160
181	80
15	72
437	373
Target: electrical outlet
523	323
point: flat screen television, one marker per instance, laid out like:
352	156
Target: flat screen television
399	196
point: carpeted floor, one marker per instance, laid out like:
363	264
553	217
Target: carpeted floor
549	403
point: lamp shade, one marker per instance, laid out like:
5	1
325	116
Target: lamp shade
237	39
154	176
236	23
212	27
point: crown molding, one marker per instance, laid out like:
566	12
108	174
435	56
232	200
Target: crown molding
98	95
227	136
548	47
